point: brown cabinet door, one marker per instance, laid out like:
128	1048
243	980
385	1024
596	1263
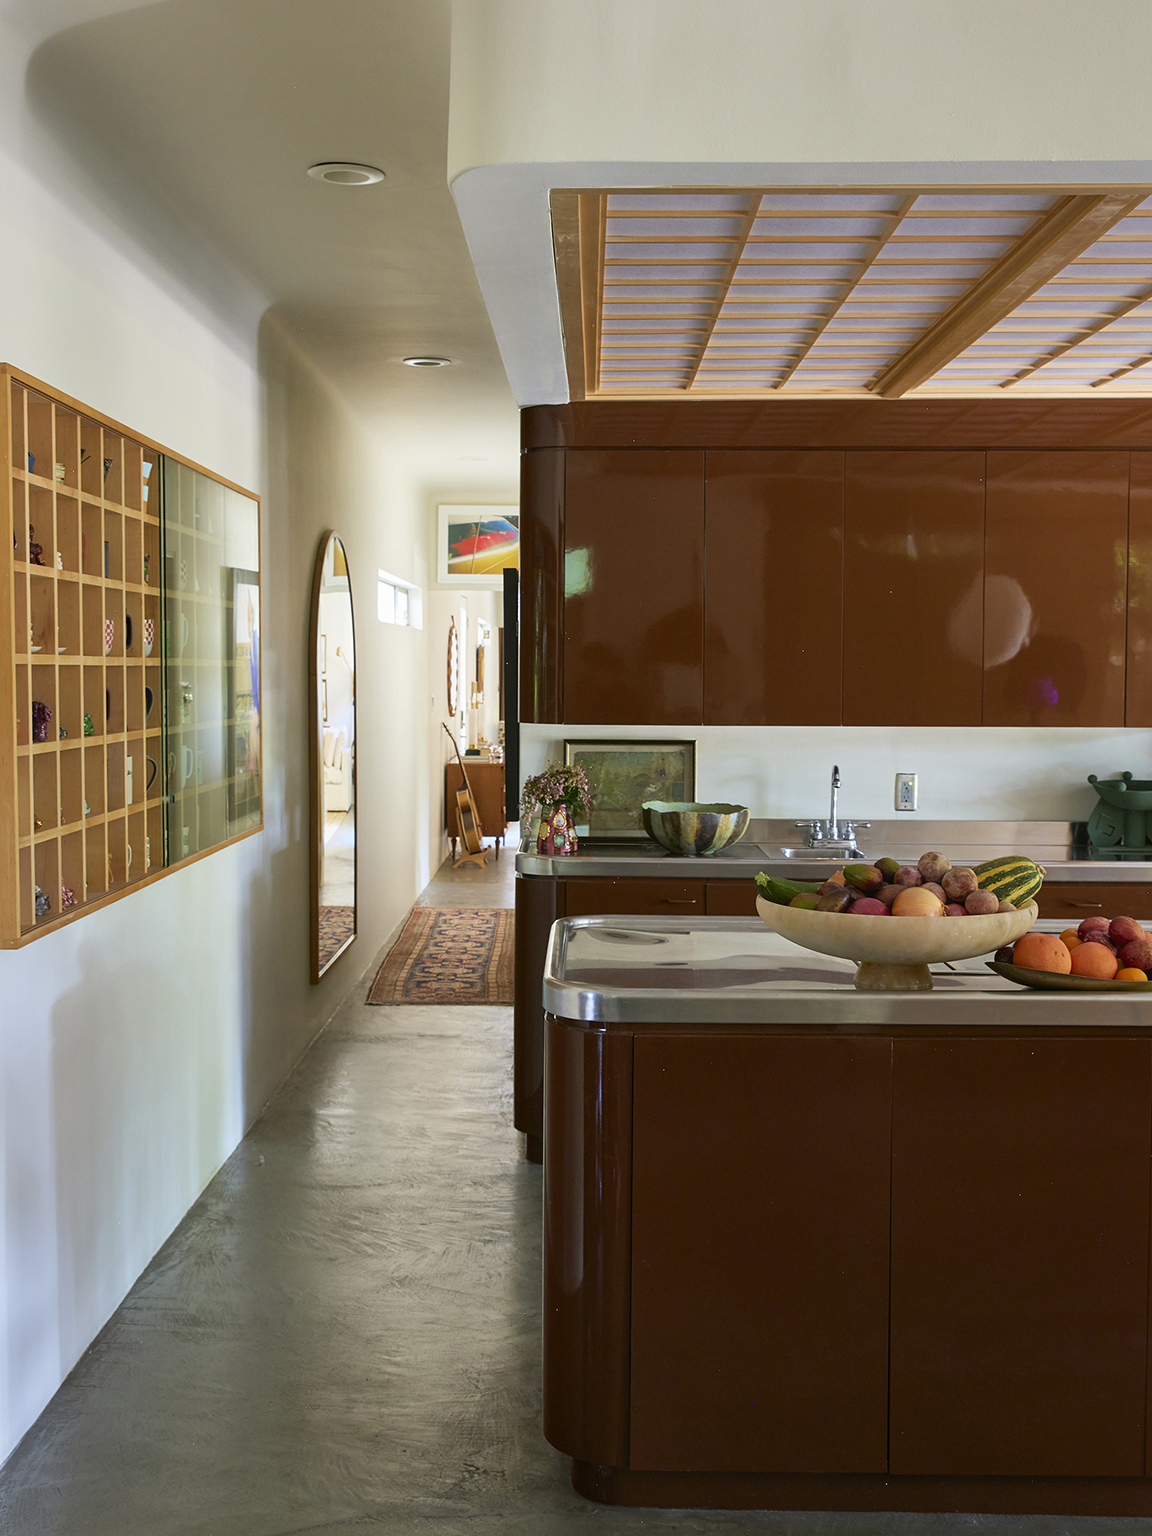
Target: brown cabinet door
730	898
1020	1256
760	1254
634	587
1076	901
637	898
1138	678
913	599
1055	588
774	559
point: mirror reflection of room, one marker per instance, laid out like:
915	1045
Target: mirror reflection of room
336	678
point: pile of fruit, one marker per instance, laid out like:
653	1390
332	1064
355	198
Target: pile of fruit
932	887
1116	949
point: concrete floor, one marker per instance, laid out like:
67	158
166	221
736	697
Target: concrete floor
343	1333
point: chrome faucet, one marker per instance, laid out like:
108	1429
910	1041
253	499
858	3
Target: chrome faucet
834	835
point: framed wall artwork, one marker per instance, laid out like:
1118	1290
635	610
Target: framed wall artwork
476	545
624	774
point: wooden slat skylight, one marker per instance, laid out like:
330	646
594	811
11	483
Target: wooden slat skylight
854	292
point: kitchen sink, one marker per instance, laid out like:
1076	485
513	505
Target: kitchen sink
822	855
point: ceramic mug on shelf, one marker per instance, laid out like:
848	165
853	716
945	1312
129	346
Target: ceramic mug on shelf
153	770
184	632
127	631
187	762
109	635
149	700
149	635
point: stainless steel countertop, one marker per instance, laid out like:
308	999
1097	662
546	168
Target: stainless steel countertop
733	970
1058	846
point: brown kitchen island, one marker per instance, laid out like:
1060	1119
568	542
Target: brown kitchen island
812	1248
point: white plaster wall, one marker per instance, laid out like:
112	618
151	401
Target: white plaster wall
989	774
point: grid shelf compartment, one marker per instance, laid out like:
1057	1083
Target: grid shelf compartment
120	600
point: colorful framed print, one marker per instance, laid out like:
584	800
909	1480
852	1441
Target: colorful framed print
476	545
624	774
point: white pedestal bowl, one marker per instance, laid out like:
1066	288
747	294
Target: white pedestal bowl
894	953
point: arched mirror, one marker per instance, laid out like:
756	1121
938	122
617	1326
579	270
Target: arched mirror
333	748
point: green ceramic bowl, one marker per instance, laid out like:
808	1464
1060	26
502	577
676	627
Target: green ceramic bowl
693	830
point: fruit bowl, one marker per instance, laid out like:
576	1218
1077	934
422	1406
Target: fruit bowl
691	829
894	953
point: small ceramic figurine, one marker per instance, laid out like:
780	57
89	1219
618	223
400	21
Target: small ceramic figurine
89	728
43	905
67	897
63	733
35	551
41	715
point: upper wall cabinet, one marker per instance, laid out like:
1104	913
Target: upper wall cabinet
1056	588
1138	673
633	587
913	601
773	571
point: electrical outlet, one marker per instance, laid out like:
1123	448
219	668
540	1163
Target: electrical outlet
905	791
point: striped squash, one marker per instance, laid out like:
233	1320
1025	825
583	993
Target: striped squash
1011	878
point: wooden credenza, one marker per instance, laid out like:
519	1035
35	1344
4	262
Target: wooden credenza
487	783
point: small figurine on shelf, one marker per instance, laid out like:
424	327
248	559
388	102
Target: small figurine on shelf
41	715
35	551
89	728
87	809
43	905
67	897
63	733
146	580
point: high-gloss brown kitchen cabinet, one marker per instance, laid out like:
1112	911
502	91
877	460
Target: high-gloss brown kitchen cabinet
774	553
1055	588
1020	1189
730	898
657	898
1138	671
1078	900
634	588
913	603
759	1307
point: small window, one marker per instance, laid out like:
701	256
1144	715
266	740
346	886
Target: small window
398	602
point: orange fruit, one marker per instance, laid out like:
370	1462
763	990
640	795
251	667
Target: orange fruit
1094	960
1130	973
1068	935
837	878
1045	952
1072	943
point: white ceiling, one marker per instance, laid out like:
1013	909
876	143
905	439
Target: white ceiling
216	108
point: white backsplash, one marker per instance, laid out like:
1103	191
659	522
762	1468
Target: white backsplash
986	773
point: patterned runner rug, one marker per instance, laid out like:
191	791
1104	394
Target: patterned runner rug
337	925
449	955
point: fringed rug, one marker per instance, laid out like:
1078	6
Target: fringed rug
337	925
449	955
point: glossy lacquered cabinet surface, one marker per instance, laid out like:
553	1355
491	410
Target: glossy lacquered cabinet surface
1020	1256
913	601
634	588
774	556
760	1176
1055	588
1138	673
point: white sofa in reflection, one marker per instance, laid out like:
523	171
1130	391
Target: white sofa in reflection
337	772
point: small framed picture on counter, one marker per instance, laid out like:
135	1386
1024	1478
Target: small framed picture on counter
623	774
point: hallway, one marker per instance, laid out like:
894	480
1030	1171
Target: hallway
343	1334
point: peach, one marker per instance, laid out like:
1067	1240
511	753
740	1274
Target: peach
1094	960
1138	954
1122	930
1043	952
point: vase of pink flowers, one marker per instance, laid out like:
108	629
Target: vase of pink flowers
561	795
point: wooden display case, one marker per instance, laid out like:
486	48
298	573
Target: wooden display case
85	784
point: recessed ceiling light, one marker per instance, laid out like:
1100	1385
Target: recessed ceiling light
427	362
345	173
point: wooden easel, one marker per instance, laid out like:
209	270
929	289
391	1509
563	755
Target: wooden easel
466	816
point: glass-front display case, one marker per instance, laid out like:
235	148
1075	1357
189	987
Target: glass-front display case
211	555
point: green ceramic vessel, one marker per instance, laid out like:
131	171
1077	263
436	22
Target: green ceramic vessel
693	830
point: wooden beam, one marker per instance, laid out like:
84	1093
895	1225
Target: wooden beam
593	227
748	220
1063	234
566	247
